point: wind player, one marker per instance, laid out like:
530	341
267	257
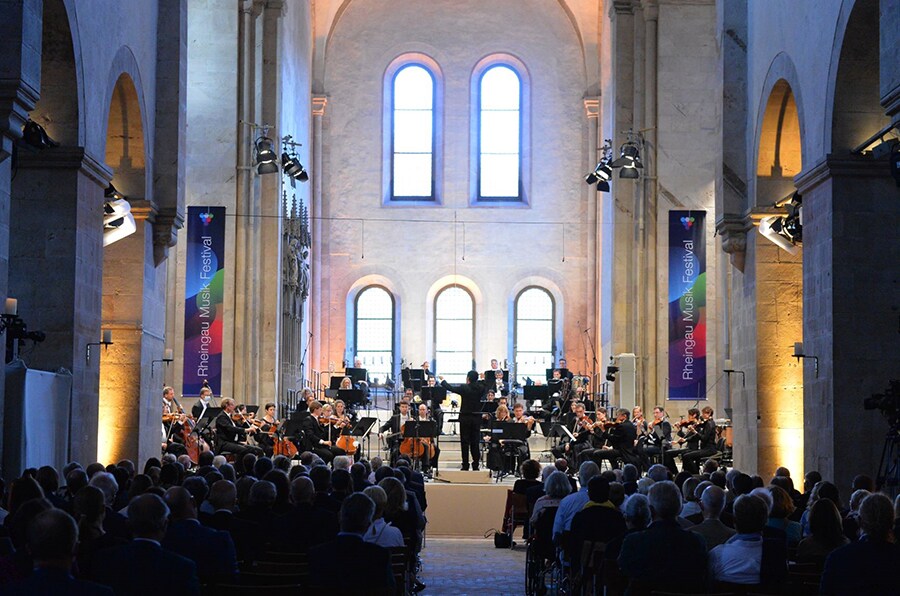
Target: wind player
391	431
231	436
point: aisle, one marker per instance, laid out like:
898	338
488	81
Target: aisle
462	566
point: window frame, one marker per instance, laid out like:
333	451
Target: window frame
437	113
518	68
436	318
515	321
356	298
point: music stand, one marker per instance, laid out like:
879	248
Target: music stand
363	429
509	431
413	378
210	414
351	397
537	392
335	383
357	375
251	409
491	375
418	430
489	407
433	397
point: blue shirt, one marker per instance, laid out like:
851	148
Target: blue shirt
568	507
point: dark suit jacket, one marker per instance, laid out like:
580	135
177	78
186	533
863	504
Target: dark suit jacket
212	550
661	552
863	567
228	430
116	524
304	527
371	565
244	533
51	582
327	503
598	524
470	394
143	568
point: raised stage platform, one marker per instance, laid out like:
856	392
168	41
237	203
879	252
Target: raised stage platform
464	510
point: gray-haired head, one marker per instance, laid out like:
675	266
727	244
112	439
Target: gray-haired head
658	473
557	484
637	511
712	501
587	471
665	500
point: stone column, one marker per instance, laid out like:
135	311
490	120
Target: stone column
319	255
20	82
56	258
851	303
595	143
134	310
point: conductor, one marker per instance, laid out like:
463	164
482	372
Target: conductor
469	416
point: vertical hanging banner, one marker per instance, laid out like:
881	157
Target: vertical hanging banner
204	280
687	305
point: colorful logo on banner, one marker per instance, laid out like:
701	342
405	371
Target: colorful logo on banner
204	293
687	305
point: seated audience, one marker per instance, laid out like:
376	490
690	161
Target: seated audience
381	532
556	488
868	566
637	518
576	501
216	561
244	533
748	557
89	508
305	525
779	514
371	563
826	534
52	536
530	470
135	569
599	522
664	550
711	529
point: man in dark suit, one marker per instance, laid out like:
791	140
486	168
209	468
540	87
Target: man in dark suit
371	563
231	437
244	533
869	565
305	525
142	567
657	439
212	550
201	404
621	437
321	479
690	461
314	439
469	417
664	550
52	535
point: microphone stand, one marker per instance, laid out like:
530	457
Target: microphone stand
593	360
303	360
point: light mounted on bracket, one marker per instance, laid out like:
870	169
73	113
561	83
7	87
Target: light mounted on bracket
603	171
290	164
798	354
786	231
630	156
118	221
265	158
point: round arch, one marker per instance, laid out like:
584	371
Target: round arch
780	133
559	305
125	93
477	296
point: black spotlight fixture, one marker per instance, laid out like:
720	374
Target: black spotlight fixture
112	192
603	171
611	372
293	168
266	158
34	135
630	156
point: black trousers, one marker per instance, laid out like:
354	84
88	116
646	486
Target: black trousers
690	461
238	449
470	438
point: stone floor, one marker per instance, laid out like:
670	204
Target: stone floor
463	566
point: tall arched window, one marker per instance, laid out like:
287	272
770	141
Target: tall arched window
499	135
454	333
535	321
374	331
413	134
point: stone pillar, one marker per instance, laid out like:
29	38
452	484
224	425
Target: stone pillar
317	359
134	310
57	204
20	82
595	143
851	304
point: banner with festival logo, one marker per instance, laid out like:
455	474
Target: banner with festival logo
687	305
204	297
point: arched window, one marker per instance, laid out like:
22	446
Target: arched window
499	135
534	314
374	331
454	333
413	134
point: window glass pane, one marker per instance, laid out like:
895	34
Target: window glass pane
375	332
412	175
499	175
413	89
454	333
534	333
500	89
412	131
500	132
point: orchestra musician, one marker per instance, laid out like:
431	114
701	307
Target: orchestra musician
698	433
657	439
392	430
315	436
346	383
231	436
581	426
500	386
469	416
267	425
495	453
431	464
306	397
620	434
563	365
519	417
202	403
172	421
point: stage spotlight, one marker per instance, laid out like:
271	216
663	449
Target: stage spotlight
611	372
112	193
266	158
293	168
629	173
630	157
118	221
34	135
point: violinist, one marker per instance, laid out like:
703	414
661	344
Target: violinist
658	437
267	426
315	435
687	436
495	460
639	422
232	437
700	436
172	424
581	426
620	434
392	430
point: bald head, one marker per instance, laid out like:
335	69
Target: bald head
302	491
223	495
712	502
181	503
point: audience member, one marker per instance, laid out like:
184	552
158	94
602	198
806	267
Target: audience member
826	534
556	488
637	518
216	559
530	470
713	531
575	502
748	557
245	534
781	510
305	525
381	532
598	522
